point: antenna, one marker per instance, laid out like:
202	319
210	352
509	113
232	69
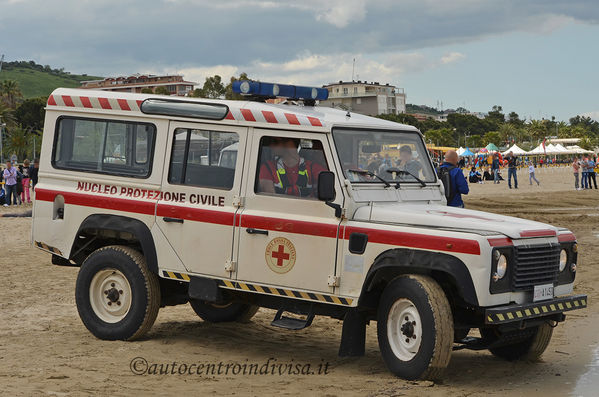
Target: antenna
353	68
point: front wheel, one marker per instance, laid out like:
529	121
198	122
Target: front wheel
415	328
117	296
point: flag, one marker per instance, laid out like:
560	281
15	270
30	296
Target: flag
544	149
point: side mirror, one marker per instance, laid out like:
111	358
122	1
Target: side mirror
326	186
326	190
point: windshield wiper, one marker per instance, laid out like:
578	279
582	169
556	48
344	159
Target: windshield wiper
369	173
403	172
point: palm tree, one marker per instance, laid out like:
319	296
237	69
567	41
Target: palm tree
18	141
10	93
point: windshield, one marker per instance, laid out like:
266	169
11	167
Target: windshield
395	156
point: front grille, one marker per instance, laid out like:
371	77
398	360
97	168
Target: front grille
535	265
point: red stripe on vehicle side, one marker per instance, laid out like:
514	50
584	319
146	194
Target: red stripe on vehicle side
314	121
537	233
196	214
123	104
98	201
292	118
413	240
229	116
51	101
562	238
290	226
500	242
85	102
247	115
139	103
68	101
269	116
104	103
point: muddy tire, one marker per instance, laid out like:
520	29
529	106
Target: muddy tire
415	328
117	296
222	313
529	349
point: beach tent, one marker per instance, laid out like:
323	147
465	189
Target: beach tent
492	148
460	151
516	149
466	153
578	150
550	149
537	150
561	149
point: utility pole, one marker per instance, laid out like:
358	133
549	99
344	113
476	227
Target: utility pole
1	61
2	125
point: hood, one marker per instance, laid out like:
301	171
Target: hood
451	217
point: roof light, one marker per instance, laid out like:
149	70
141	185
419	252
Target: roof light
270	90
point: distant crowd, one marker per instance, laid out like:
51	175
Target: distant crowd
17	182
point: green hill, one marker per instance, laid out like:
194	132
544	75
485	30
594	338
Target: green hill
37	80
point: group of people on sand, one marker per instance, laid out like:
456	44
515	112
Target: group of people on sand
16	180
584	169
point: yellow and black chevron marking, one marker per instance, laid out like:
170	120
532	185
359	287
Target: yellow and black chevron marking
337	300
523	312
175	275
229	284
48	248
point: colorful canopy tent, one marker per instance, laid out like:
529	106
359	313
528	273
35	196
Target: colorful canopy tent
516	150
483	151
492	148
466	153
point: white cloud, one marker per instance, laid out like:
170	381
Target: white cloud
341	13
452	57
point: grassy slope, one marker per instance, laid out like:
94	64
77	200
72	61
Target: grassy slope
35	83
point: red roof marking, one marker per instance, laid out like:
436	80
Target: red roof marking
538	233
68	101
500	242
229	116
104	103
51	101
247	115
292	118
123	104
85	102
314	121
269	116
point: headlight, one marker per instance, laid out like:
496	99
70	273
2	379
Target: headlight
563	260
501	266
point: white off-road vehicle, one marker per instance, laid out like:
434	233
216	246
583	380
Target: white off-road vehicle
236	205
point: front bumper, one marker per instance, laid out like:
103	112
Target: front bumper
513	313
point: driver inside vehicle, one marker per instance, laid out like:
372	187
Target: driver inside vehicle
407	162
289	173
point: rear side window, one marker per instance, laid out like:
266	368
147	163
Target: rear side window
104	146
203	158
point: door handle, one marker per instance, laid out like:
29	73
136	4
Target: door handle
174	220
251	230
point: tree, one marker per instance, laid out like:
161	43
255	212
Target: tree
440	137
161	90
18	141
474	141
514	120
537	129
493	137
496	115
10	93
213	87
31	112
197	93
147	90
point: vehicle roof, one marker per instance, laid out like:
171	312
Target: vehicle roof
240	111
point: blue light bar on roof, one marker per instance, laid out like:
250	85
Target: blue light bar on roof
256	88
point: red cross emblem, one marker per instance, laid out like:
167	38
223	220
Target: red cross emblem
280	255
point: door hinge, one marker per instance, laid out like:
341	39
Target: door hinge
333	281
238	201
230	266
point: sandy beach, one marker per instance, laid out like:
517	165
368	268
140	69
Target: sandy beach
45	349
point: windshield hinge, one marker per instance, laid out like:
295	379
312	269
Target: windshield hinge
333	281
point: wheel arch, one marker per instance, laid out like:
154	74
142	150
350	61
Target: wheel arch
449	271
108	229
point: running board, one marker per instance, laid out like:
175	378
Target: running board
291	322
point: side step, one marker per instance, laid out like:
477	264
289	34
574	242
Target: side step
291	322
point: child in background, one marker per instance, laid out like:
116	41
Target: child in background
25	171
531	174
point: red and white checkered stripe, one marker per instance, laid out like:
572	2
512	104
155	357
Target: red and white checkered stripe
259	116
94	102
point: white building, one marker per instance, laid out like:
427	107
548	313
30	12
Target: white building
366	98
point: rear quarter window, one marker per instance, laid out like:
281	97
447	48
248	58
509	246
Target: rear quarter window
103	146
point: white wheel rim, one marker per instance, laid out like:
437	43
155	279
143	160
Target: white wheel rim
404	329
110	295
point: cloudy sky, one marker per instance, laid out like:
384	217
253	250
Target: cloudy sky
537	57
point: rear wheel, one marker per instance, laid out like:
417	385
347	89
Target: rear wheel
117	296
225	312
531	344
415	328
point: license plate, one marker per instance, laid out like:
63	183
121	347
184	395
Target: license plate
543	292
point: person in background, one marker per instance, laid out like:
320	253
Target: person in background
10	179
531	174
459	185
24	169
591	173
474	176
512	164
584	182
576	170
33	170
495	168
